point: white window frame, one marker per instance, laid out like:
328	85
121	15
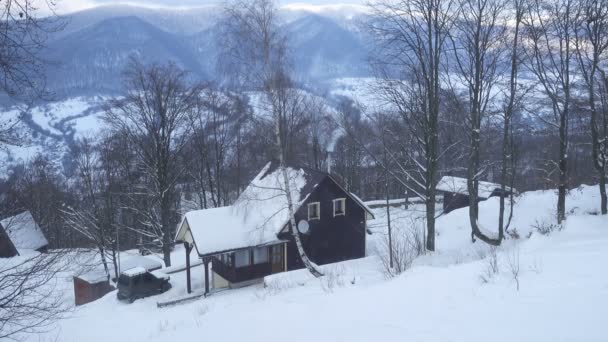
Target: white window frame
318	217
343	200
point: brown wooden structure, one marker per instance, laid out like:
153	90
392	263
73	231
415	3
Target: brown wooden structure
88	290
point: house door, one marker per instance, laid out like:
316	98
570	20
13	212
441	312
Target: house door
276	258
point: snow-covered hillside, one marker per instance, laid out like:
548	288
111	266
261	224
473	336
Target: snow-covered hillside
51	129
449	295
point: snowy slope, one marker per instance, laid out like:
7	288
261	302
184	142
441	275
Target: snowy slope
51	128
562	296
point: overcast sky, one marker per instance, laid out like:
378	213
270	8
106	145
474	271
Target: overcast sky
65	6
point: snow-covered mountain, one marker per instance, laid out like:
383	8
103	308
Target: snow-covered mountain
92	60
91	53
324	49
177	21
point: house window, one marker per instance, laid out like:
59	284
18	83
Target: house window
260	255
339	206
242	258
314	211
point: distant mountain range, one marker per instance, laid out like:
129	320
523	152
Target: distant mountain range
90	55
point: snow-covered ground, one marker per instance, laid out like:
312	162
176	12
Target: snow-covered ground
50	128
449	295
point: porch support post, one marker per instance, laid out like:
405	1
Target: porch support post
188	248
206	263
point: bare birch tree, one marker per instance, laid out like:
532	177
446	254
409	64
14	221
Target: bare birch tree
258	50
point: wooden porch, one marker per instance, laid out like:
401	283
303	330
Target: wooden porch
242	265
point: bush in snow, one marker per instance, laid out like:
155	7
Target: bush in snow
333	278
407	244
546	228
514	265
491	265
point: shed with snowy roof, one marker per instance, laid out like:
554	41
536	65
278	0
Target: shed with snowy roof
252	238
20	233
456	193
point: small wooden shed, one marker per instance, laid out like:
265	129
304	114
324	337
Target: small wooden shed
90	287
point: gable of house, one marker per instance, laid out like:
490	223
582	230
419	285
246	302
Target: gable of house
333	236
23	232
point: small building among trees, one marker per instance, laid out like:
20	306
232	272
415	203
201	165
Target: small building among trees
20	233
456	193
252	238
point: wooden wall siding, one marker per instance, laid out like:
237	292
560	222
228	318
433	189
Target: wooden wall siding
85	292
331	239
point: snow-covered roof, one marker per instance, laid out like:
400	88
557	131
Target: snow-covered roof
160	275
362	204
135	271
255	218
23	231
139	261
459	185
94	276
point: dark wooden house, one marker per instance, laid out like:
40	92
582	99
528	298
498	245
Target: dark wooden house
252	238
456	194
20	233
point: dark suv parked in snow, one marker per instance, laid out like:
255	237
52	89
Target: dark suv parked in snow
139	283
